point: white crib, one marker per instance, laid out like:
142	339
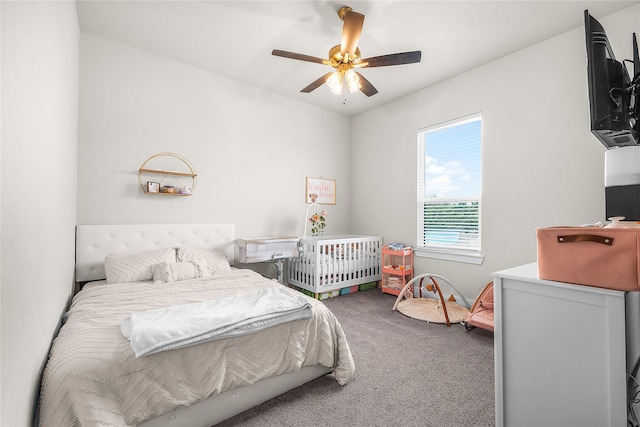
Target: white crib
327	264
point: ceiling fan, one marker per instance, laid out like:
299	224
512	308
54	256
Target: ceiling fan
346	57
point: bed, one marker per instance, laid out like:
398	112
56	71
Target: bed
97	376
328	264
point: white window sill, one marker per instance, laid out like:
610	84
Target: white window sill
469	258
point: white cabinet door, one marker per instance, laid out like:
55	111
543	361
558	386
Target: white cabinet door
559	352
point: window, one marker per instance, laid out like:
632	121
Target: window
449	190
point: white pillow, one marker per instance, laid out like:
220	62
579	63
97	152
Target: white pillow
216	262
174	271
135	267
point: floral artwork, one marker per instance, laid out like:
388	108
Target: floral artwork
318	222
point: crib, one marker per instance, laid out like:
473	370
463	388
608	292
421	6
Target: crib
328	264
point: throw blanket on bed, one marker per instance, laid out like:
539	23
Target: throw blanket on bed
180	326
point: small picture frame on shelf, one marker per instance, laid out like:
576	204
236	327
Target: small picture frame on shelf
153	187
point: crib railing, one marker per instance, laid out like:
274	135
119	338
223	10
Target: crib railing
329	263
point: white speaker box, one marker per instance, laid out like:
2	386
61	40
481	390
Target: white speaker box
622	166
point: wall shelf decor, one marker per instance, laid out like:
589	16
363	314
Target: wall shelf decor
167	174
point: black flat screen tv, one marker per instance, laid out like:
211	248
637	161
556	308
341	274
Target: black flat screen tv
613	95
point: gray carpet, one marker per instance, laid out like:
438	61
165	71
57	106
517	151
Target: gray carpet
408	373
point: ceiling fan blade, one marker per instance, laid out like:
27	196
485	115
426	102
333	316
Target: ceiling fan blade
393	59
298	56
351	31
316	84
366	86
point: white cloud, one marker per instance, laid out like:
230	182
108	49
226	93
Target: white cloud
441	185
441	179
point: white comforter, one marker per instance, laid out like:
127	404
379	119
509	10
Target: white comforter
93	377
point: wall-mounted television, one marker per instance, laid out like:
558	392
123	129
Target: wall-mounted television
613	94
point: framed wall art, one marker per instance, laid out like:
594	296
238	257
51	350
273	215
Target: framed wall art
153	187
320	190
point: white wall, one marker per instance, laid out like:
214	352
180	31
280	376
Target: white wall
252	149
38	174
541	165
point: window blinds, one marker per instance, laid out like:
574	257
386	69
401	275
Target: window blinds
449	185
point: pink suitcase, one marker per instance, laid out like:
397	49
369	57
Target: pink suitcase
592	256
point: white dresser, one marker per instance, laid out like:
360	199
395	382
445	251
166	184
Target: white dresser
561	351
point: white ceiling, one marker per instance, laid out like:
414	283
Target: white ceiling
235	38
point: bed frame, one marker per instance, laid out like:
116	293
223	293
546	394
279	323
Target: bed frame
94	242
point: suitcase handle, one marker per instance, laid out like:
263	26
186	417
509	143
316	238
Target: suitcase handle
586	238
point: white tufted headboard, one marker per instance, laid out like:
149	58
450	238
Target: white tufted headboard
94	242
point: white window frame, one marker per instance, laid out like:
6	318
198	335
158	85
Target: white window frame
472	256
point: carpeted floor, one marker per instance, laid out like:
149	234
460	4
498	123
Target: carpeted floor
408	373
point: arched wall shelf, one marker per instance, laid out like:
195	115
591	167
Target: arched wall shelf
150	177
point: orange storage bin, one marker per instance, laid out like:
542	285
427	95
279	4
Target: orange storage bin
591	256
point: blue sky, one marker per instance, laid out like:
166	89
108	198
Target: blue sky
452	160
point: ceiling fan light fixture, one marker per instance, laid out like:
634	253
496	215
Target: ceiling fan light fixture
346	56
335	82
353	81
